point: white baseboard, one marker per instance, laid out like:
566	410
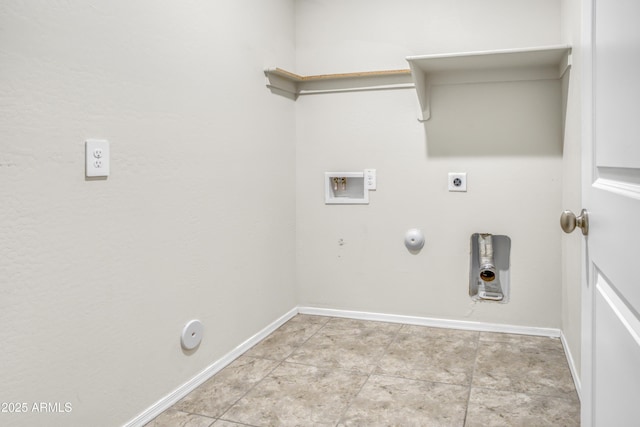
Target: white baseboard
172	398
438	323
572	366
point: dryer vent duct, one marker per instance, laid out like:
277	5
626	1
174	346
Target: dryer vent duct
485	252
489	267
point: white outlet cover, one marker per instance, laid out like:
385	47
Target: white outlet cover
458	181
370	180
97	158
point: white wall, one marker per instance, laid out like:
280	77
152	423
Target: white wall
571	184
352	257
196	220
212	205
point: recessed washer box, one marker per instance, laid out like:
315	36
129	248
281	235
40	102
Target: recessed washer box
345	188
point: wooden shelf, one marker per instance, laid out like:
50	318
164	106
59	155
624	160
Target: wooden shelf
293	85
487	66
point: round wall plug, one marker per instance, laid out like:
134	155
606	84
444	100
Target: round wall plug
191	334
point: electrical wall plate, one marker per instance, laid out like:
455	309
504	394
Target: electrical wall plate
457	181
97	158
370	180
191	335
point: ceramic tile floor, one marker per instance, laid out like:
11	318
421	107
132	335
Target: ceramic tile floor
318	370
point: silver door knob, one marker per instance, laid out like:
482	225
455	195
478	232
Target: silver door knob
569	221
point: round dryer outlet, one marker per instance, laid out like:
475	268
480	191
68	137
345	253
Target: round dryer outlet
458	181
191	335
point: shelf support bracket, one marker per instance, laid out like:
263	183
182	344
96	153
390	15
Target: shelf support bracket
422	83
283	85
565	64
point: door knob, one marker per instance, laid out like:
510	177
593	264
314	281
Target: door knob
569	221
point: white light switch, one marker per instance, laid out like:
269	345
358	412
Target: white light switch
370	179
97	157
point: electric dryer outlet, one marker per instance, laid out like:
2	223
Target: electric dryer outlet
458	181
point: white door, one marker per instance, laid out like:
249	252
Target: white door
611	194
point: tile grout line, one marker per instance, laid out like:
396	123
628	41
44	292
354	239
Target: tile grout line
248	390
213	419
234	422
419	380
278	364
473	371
384	353
527	393
523	347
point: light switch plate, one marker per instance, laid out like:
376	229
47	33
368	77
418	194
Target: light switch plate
97	158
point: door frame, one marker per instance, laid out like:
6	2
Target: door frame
588	177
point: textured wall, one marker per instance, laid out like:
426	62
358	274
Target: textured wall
196	220
352	257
